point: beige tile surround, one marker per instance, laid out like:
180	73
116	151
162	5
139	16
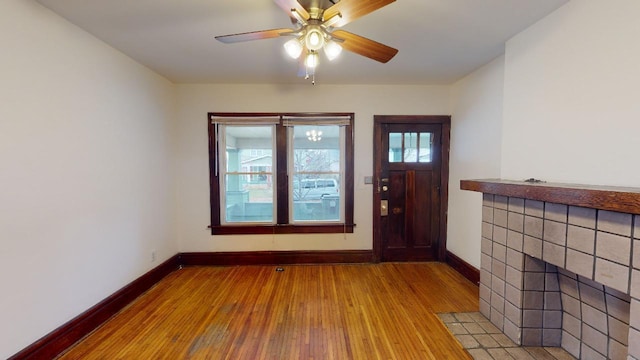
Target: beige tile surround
559	275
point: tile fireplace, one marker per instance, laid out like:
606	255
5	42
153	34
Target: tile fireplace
560	265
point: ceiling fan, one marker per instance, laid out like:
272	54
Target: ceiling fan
315	22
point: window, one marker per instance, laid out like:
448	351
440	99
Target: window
281	173
410	147
317	169
245	176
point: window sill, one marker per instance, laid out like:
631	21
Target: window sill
281	229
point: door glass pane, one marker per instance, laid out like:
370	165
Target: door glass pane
395	147
317	164
249	174
410	147
425	147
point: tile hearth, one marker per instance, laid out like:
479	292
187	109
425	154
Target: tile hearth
484	341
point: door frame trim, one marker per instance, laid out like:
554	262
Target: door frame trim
445	122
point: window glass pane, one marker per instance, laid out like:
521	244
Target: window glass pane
395	147
249	178
316	182
410	147
425	147
251	204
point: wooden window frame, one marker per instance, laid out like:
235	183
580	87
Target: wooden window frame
282	224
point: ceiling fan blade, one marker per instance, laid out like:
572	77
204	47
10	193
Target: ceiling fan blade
253	35
287	5
365	47
351	10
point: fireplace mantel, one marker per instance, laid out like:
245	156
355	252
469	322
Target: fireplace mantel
611	198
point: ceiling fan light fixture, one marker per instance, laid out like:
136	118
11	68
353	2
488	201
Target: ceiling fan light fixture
293	48
314	23
314	39
311	61
332	50
314	135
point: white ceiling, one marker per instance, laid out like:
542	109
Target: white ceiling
439	41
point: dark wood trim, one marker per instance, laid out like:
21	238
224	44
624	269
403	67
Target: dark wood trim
282	222
282	229
282	180
444	187
377	169
214	184
409	119
68	334
276	257
212	115
445	122
463	267
612	198
349	166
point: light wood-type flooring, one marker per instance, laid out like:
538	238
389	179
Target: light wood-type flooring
363	311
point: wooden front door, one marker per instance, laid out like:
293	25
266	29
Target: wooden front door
409	213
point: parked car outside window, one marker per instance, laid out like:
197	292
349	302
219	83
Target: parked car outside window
315	189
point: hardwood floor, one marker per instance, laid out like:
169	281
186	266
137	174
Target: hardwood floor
364	311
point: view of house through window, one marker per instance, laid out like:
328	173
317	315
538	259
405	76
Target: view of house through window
282	171
248	173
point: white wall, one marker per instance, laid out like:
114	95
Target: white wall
570	110
476	103
194	101
571	104
85	172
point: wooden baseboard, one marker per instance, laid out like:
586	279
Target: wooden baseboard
62	338
276	257
57	341
463	268
68	334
